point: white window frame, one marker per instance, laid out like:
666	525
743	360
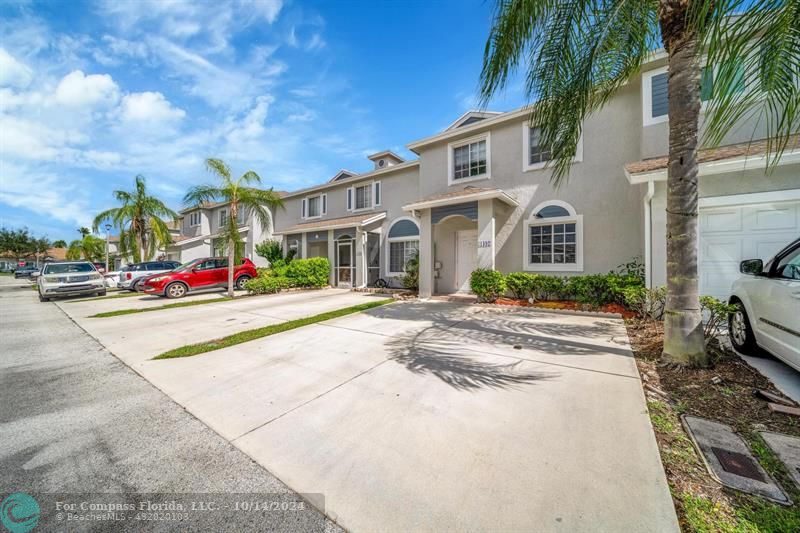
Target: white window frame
375	190
390	240
307	205
526	156
240	218
647	98
222	217
192	216
572	218
349	199
463	142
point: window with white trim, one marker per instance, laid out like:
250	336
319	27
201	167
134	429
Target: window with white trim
240	216
403	245
314	206
364	196
536	156
536	152
469	161
655	105
554	238
223	217
194	218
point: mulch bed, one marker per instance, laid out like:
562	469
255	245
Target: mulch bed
567	305
723	392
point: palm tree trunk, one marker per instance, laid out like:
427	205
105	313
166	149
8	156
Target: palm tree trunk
231	266
683	325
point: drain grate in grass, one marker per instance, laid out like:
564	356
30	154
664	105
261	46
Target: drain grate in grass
253	334
121	312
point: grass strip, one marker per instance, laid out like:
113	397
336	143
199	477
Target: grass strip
121	312
253	334
109	297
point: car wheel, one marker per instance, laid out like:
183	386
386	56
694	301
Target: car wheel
175	290
740	331
240	281
101	293
43	299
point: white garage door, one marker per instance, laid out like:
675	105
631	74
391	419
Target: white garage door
733	233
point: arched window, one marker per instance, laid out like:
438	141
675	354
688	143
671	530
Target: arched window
554	238
403	244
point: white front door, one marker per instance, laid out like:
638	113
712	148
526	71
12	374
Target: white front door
466	257
733	233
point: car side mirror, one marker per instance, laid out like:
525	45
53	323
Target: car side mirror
751	266
35	274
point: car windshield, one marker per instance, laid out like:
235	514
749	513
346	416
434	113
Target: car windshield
186	266
67	268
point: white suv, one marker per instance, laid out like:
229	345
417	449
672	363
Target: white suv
768	301
69	278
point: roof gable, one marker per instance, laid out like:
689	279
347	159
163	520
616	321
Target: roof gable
471	117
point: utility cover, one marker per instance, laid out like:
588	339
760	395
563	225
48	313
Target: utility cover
729	461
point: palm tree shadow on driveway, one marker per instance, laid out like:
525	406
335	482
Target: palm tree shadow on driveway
453	347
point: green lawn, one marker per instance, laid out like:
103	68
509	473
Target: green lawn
253	334
160	307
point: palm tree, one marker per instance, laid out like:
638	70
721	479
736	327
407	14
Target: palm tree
60	243
579	54
140	221
88	247
239	195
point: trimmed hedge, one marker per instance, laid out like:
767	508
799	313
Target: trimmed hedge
305	273
313	272
487	284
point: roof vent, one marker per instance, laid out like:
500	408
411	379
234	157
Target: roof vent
385	159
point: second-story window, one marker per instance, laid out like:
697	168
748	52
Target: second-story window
470	159
314	207
223	217
364	197
194	218
536	152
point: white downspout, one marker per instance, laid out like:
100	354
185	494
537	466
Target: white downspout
648	231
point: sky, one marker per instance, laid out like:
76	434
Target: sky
93	93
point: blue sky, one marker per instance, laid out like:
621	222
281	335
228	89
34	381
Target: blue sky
93	93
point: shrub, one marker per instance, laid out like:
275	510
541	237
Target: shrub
619	283
267	284
633	268
647	303
548	288
521	284
271	250
592	289
487	284
717	312
312	272
410	279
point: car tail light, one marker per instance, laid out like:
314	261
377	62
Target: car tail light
128	275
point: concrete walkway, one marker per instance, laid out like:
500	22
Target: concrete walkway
426	416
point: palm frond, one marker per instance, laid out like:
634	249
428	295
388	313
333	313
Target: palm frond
200	194
219	168
259	202
579	53
756	57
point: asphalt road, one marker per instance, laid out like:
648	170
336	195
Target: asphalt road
77	425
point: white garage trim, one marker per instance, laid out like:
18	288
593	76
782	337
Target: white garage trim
789	195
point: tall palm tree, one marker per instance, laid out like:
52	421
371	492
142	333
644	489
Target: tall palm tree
88	247
140	221
240	195
578	54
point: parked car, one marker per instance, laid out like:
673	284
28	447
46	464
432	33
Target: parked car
768	306
111	279
100	267
25	272
203	273
70	278
132	275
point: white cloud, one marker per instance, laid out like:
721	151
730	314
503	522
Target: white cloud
315	43
78	89
13	73
149	107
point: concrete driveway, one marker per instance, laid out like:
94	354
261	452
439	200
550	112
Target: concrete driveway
435	416
136	338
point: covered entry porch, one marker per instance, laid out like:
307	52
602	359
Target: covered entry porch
351	244
458	233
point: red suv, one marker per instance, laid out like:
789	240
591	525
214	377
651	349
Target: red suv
203	273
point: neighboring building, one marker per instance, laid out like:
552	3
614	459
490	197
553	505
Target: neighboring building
197	233
479	195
